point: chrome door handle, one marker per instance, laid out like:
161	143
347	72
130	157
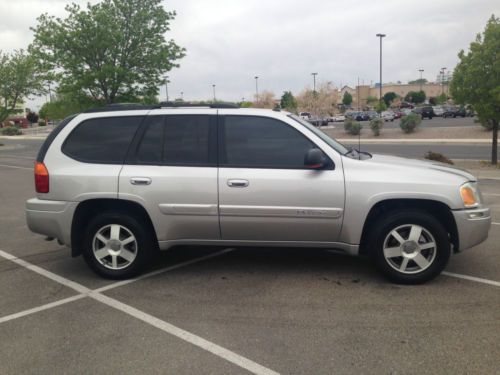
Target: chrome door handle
140	181
237	183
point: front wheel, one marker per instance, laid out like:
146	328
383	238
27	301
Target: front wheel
117	246
410	247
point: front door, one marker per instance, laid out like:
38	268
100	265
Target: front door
265	191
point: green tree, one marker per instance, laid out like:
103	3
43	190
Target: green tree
380	106
288	101
112	49
476	79
19	78
347	99
371	99
389	98
415	97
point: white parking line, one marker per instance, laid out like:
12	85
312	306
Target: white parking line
10	156
495	223
492	194
471	278
198	341
15	167
160	271
34	310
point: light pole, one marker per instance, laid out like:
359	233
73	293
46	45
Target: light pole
256	88
182	95
380	36
166	86
314	82
442	80
421	71
213	87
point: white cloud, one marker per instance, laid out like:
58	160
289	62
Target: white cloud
228	42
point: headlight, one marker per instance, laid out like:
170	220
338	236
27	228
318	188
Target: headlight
470	194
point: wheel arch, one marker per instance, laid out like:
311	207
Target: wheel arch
437	209
88	208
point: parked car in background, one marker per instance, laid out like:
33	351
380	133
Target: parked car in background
357	115
438	110
425	112
372	115
455	112
398	114
388	115
305	115
338	118
317	121
405	111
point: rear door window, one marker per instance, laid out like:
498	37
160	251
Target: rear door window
178	140
102	140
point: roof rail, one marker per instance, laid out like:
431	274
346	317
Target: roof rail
120	107
190	104
138	106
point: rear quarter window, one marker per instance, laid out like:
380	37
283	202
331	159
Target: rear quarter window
102	140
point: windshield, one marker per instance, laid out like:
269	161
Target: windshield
330	141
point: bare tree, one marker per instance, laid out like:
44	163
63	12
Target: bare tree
321	102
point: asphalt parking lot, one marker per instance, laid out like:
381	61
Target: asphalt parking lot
231	311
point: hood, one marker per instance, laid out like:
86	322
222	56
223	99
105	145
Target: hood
422	164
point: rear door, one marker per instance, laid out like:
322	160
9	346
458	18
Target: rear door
172	171
265	191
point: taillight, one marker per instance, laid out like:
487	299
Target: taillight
41	178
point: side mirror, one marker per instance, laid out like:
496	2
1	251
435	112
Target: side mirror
315	159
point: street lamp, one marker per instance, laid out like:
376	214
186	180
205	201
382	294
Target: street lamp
380	36
166	86
314	81
182	95
256	88
421	71
213	86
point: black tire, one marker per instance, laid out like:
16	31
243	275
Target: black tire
143	248
397	219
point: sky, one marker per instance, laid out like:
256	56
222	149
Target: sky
229	42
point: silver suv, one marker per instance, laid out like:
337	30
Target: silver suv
120	183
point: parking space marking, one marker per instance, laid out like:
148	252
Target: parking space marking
472	278
193	339
198	341
492	194
10	156
15	167
160	271
59	279
47	306
495	223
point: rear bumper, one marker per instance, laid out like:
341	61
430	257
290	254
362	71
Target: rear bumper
472	226
51	218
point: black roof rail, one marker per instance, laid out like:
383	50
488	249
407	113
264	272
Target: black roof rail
121	107
190	104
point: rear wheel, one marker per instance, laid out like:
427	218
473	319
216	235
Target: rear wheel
410	247
117	246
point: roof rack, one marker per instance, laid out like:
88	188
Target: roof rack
189	104
138	106
120	107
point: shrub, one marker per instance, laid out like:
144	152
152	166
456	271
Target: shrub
410	122
353	127
436	156
11	130
376	125
41	123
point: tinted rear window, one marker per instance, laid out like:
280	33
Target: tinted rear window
102	140
186	140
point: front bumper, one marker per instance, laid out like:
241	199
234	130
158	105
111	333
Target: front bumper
51	218
472	226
